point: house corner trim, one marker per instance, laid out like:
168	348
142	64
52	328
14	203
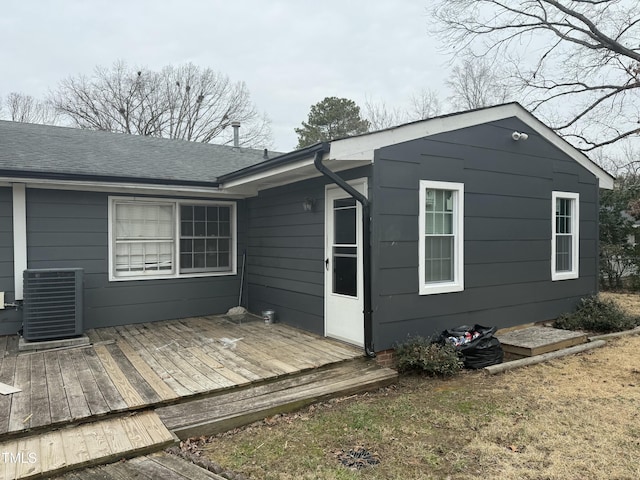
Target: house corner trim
19	236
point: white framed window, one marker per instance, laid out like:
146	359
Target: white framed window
441	242
166	238
565	237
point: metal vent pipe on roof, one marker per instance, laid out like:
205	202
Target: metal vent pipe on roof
236	134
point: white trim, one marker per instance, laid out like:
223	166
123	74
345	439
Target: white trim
361	185
289	167
19	237
457	285
294	172
176	270
122	188
575	236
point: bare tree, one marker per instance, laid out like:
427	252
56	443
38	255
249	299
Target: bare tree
474	84
576	62
186	102
423	104
381	116
25	108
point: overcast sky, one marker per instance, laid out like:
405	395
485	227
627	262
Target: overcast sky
290	53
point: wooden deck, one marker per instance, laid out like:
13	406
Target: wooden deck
139	366
86	405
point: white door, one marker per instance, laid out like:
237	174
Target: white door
344	318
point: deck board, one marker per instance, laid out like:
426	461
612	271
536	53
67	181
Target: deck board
208	367
233	377
147	394
78	406
95	400
172	365
25	467
52	455
58	409
179	468
159	465
257	360
108	390
7	375
185	362
119	379
19	418
163	369
225	356
306	356
160	387
41	413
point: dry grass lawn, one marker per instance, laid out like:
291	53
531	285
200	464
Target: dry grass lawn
571	418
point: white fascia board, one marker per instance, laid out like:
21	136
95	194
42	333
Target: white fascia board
285	175
363	147
266	174
127	188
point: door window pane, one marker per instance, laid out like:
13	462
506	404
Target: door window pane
345	271
344	219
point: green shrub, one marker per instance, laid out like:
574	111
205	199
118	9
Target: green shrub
595	315
419	354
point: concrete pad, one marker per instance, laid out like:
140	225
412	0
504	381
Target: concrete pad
531	341
25	345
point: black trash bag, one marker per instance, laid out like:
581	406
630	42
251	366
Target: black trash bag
476	345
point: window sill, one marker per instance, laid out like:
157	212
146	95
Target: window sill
440	288
555	277
171	277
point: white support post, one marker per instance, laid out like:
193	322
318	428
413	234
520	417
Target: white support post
19	236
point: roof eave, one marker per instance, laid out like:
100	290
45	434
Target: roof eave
74	177
285	159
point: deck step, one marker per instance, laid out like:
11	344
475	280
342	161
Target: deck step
223	412
80	446
160	465
532	341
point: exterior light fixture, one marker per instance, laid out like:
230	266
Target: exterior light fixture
519	136
308	204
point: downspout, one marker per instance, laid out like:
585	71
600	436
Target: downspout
366	243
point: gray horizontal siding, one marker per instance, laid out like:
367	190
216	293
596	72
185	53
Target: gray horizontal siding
10	319
70	229
285	252
507	231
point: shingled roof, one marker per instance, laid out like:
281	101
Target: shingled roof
69	152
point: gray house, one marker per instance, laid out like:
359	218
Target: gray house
484	216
